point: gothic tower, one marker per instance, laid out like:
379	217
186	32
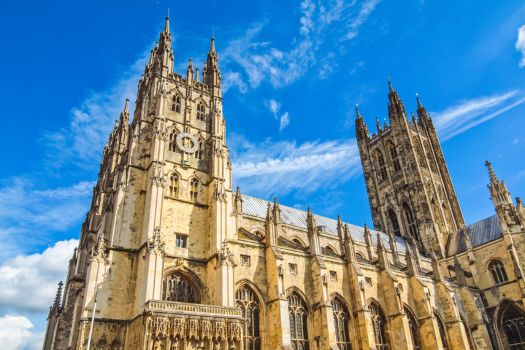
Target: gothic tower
408	184
159	221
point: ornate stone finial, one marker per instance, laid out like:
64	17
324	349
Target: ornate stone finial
167	24
225	255
357	113
155	244
419	104
492	174
378	125
58	297
99	252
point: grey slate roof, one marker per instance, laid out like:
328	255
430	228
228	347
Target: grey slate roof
297	218
480	232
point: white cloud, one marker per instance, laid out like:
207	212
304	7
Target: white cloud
261	60
284	121
470	113
261	169
15	334
26	210
82	141
274	107
231	79
520	44
29	282
366	9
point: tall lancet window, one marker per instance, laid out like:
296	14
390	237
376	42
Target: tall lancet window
247	301
381	165
379	326
411	222
200	151
298	315
395	158
341	318
201	111
442	331
174	185
194	189
394	224
176	103
414	329
172	142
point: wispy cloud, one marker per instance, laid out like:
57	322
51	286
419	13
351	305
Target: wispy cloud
284	121
28	214
82	141
274	107
285	166
261	60
470	113
520	45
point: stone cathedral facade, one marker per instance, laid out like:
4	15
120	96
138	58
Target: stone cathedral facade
171	257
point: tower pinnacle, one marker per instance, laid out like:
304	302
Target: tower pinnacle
493	178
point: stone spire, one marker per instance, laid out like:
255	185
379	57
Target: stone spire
421	111
162	58
211	73
498	190
360	127
395	105
58	297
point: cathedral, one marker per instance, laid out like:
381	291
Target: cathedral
172	257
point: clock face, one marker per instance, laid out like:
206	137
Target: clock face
187	142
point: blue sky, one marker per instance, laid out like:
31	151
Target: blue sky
293	72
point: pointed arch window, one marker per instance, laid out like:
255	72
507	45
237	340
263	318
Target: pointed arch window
201	111
411	222
513	325
379	325
393	222
247	301
413	325
200	151
176	103
381	165
174	185
497	268
172	142
394	156
442	330
298	315
178	287
194	189
341	318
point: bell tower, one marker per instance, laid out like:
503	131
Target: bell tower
407	180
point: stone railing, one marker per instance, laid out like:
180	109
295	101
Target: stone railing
172	307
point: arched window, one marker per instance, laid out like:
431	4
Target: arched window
395	158
513	325
414	329
194	189
178	287
298	242
174	185
341	318
327	250
498	271
298	315
393	222
172	142
442	331
200	151
247	300
176	103
379	324
411	222
381	166
201	110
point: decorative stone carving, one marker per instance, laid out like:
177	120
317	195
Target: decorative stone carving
155	244
99	252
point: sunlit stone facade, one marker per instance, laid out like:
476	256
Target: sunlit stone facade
171	257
